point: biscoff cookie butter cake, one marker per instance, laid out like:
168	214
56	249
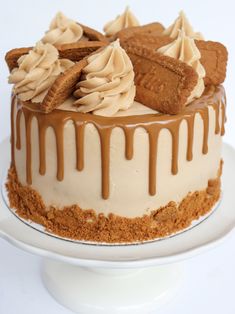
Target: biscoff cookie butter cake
116	138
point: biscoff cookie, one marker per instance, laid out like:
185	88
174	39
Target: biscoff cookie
152	28
162	83
63	87
214	55
73	51
92	34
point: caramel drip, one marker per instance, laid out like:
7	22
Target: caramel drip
80	128
217	124
42	148
18	140
129	135
190	123
28	124
223	118
13	101
105	134
174	129
152	123
153	141
205	117
59	134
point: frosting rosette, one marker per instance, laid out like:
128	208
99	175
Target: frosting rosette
184	49
127	19
108	84
182	23
37	71
63	31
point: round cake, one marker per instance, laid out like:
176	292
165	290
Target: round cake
122	144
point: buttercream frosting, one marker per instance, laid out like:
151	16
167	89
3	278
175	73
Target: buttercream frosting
184	49
182	23
136	109
37	71
63	31
108	84
127	19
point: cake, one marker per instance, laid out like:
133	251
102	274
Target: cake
116	138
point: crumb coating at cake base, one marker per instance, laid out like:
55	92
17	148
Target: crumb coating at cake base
75	223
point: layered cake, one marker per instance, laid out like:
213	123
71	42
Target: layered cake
116	138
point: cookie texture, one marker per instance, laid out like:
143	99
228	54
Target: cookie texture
155	29
74	51
78	51
92	34
162	83
214	55
63	87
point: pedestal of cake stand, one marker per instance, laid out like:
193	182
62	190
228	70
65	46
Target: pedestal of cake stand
106	291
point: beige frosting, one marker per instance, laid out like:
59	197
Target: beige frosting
182	23
37	71
127	19
136	109
184	49
63	31
129	194
108	84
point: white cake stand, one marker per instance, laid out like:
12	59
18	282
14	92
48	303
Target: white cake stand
129	279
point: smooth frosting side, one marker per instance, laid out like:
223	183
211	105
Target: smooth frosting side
184	49
37	71
63	31
127	19
182	23
108	84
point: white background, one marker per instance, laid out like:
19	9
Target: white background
209	282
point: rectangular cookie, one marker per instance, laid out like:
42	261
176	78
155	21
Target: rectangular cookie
63	87
162	83
214	55
74	52
153	28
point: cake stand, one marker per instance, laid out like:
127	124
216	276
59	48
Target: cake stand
88	278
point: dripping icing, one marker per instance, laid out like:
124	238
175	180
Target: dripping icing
152	123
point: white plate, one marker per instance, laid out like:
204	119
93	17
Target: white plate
205	235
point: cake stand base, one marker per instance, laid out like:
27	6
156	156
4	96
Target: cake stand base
98	290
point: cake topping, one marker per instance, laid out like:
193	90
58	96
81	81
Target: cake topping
108	84
185	49
62	31
127	19
182	23
37	71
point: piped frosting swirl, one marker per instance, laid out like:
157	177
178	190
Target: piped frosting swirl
127	19
62	31
37	71
182	23
108	84
184	49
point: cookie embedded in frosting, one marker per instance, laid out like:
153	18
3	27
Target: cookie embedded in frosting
37	71
182	23
63	31
108	84
127	19
184	49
